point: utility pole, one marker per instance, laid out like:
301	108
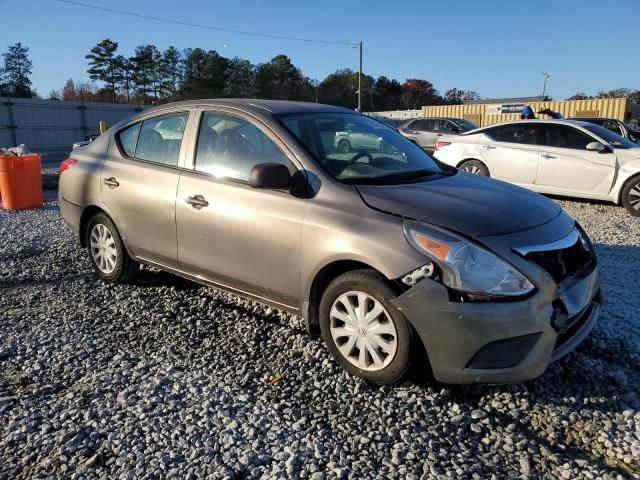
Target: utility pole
544	85
359	47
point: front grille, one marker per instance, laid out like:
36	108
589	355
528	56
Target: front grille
563	263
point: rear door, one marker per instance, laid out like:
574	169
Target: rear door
566	166
511	152
425	133
235	235
139	179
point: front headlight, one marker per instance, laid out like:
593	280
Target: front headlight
466	267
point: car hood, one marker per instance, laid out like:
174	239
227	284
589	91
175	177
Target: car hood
627	153
470	204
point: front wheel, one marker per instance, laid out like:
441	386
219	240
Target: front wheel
363	331
476	167
631	196
107	253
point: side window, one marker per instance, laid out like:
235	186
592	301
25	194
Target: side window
129	138
524	133
446	126
229	146
160	138
562	136
426	125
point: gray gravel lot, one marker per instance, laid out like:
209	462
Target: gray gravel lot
166	378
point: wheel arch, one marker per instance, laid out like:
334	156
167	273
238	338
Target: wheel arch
320	282
623	185
87	214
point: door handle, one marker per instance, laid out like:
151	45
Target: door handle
111	182
489	147
546	155
197	202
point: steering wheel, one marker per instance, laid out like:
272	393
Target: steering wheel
358	156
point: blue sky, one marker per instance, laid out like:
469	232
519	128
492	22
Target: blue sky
498	48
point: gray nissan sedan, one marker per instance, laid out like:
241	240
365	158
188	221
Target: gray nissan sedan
387	253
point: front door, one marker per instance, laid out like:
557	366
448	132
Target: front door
566	166
228	232
139	180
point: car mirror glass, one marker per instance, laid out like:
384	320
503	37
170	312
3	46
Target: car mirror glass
274	176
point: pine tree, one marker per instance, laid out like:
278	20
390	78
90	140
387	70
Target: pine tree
171	72
15	74
142	71
126	69
104	66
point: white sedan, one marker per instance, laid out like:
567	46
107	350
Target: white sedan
561	157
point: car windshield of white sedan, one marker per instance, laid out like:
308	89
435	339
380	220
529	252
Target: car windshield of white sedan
354	148
615	140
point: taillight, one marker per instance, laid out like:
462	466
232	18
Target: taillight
440	144
66	165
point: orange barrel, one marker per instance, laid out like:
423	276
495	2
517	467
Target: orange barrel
20	181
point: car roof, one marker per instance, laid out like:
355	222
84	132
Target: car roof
538	120
587	119
259	106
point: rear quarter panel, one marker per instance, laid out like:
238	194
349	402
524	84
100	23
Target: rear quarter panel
462	147
80	184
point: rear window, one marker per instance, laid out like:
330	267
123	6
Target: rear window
129	138
157	139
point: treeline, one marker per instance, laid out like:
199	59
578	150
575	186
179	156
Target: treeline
632	94
154	76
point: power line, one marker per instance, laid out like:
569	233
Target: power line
207	27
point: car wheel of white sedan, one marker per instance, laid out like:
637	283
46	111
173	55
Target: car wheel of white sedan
476	167
631	196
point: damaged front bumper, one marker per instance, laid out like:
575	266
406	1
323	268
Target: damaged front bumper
500	342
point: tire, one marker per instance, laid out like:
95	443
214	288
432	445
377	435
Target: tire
344	146
107	253
476	167
631	196
370	288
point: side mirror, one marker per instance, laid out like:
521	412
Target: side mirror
596	147
273	176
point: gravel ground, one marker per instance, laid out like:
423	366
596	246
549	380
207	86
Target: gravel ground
166	378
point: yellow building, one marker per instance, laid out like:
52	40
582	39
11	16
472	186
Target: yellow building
487	112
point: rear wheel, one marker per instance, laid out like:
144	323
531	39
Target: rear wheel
476	167
344	146
363	331
107	253
631	196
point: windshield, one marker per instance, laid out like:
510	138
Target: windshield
615	140
465	125
354	148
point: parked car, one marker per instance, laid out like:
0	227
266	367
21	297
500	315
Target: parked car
562	157
425	131
385	254
353	137
616	126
